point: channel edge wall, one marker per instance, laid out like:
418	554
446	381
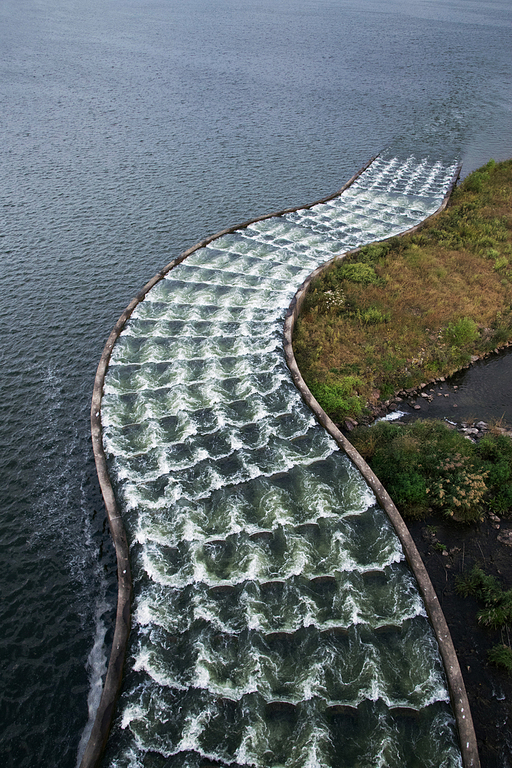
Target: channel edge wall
105	713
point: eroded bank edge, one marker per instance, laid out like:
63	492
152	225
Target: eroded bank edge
457	689
105	713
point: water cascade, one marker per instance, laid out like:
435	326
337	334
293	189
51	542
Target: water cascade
275	621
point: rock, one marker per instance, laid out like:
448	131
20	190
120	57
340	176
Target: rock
505	537
350	424
482	425
417	407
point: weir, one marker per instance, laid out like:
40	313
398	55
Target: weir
275	619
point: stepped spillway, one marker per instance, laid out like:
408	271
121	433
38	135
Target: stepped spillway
276	622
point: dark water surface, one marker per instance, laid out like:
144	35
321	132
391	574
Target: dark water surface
481	392
129	131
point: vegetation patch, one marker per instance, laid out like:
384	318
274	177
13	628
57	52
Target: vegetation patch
415	308
496	613
429	468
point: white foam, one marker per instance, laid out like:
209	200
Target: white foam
206	458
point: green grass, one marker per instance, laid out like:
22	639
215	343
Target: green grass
501	656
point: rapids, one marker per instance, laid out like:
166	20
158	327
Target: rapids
276	622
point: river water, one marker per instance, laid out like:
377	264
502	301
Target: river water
129	131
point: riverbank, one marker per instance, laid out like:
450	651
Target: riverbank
394	317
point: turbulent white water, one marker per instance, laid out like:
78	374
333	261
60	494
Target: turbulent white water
275	620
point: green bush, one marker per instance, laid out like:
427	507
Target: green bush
373	316
475	181
500	263
459	488
427	467
372	254
357	272
497	601
462	332
495	452
338	399
501	656
497	611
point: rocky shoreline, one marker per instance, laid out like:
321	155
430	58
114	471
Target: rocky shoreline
419	396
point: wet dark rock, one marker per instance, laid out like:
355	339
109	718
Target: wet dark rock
321	580
222	589
405	712
261	535
279	636
307	528
505	537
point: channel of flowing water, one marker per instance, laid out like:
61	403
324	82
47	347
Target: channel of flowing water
276	622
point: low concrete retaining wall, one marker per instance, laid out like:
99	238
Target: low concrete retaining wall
456	685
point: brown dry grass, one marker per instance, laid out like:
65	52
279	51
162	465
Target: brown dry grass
441	295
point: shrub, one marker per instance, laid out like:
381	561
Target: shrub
426	466
500	263
339	399
485	588
462	332
373	316
501	656
371	254
495	453
332	301
459	489
475	181
357	272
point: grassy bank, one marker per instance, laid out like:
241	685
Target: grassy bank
412	309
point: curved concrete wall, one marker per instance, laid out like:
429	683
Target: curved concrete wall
105	713
103	721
